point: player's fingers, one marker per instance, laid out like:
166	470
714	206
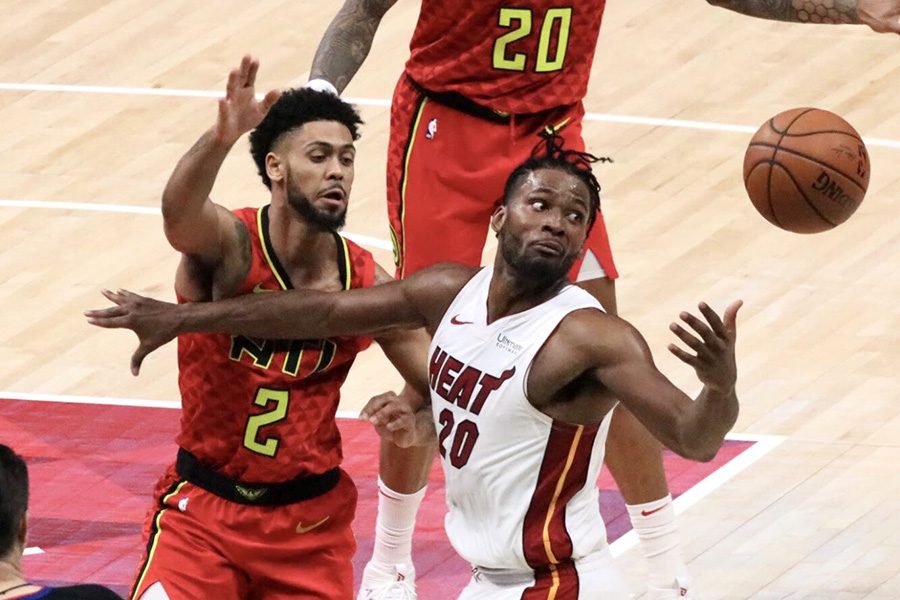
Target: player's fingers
105	313
712	317
684	356
246	63
375	404
137	359
234	77
730	316
688	338
269	99
252	69
702	329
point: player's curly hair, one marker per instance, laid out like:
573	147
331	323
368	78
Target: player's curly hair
295	108
550	153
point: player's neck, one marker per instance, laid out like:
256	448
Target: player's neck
509	293
12	581
305	250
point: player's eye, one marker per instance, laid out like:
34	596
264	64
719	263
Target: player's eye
347	160
317	157
538	204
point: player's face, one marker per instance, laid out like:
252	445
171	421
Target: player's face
543	226
319	172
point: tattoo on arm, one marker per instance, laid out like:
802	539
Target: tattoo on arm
347	41
797	11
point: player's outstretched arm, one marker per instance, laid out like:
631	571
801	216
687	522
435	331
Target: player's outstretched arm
193	224
694	429
881	15
347	41
419	301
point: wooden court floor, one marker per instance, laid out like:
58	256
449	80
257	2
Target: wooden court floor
98	99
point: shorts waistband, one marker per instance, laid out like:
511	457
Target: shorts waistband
457	101
259	494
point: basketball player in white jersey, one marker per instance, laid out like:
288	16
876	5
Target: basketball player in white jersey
523	374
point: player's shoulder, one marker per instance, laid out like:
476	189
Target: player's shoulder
444	277
593	331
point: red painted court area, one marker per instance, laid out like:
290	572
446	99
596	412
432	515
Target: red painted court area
93	468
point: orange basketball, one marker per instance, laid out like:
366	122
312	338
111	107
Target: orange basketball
806	170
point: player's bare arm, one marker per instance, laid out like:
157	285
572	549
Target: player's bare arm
212	240
347	41
419	301
615	356
407	349
881	15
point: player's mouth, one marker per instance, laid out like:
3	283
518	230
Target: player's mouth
549	247
334	197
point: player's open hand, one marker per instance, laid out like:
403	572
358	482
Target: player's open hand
714	348
154	322
395	420
239	110
881	15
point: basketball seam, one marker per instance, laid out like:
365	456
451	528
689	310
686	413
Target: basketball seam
807	200
785	132
818	131
812	160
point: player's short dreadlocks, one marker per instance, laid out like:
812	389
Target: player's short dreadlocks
549	153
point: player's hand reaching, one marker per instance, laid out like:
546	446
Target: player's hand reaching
398	421
239	110
881	15
714	349
154	322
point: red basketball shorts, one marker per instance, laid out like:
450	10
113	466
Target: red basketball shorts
202	546
445	177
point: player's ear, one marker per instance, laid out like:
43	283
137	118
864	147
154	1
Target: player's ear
274	167
498	218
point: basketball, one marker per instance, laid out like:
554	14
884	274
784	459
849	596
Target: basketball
806	170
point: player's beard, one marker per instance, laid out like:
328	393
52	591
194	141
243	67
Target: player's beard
536	270
327	221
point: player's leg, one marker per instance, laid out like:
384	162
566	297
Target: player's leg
437	212
301	550
633	455
182	560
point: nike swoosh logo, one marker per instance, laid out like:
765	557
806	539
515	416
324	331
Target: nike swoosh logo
647	513
454	320
259	289
302	529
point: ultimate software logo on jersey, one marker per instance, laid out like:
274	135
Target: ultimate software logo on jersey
504	343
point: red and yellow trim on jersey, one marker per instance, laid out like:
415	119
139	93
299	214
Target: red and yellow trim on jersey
399	250
153	542
547	544
262	224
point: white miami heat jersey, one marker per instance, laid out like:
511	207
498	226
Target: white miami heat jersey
521	486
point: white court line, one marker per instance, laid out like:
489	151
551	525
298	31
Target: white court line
627	119
762	446
32	550
364	240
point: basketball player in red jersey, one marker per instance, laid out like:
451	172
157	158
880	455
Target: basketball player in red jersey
256	504
482	78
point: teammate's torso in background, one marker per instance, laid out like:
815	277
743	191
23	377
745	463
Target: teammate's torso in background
521	487
513	57
264	410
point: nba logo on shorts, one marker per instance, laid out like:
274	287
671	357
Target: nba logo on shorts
431	131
